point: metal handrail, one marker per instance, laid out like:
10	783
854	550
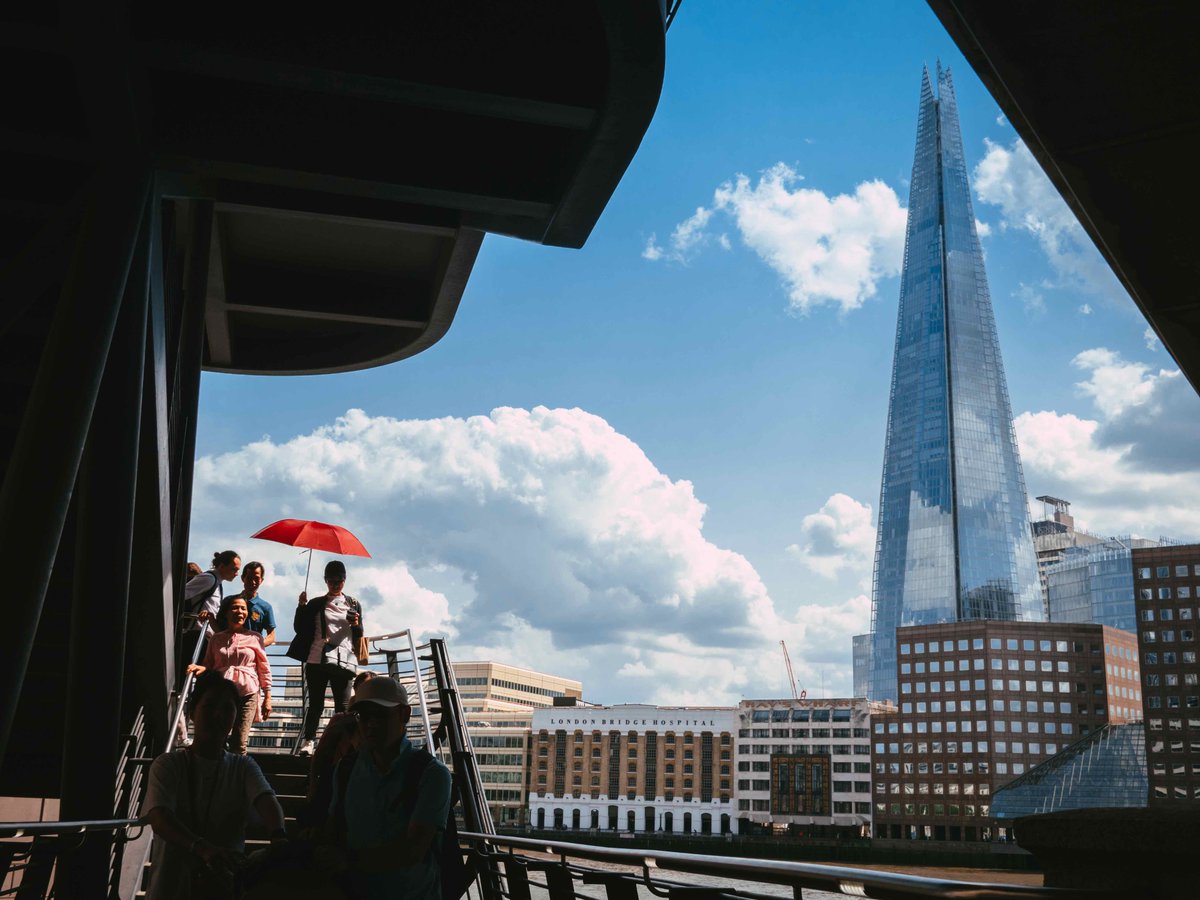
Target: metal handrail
35	829
392	660
836	879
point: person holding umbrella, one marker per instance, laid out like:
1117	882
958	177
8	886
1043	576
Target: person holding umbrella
328	630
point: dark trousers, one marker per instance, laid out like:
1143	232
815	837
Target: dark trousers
316	677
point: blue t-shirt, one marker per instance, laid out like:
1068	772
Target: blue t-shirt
262	617
375	815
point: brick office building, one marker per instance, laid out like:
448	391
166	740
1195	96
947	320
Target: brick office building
980	703
1166	586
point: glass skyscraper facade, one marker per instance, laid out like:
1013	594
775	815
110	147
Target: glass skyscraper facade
954	538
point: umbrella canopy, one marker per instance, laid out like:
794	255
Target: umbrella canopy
313	536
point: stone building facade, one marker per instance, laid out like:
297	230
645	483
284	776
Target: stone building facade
634	768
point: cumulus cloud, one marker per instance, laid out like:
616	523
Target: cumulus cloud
826	249
1085	309
540	537
686	238
983	229
1011	179
1133	468
1150	338
838	537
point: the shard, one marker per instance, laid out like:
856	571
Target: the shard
954	540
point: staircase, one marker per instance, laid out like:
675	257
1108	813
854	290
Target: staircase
426	674
288	777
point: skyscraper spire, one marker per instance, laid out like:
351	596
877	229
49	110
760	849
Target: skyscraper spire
954	540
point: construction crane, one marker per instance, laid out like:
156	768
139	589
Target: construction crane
791	675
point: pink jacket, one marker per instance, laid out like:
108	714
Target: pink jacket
240	657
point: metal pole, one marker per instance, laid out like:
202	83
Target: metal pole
104	528
412	648
45	458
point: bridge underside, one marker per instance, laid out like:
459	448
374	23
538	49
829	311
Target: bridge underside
229	188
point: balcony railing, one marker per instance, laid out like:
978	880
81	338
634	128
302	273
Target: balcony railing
516	868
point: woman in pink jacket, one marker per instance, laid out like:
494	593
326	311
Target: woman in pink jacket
238	654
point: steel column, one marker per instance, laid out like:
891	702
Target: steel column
104	500
45	458
189	360
152	593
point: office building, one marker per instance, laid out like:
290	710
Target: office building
954	538
805	765
499	700
1094	583
1053	535
1167	580
983	702
634	768
493	685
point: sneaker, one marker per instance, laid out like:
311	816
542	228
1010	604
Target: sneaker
306	748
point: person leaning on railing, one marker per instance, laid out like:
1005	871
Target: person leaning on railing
199	799
329	639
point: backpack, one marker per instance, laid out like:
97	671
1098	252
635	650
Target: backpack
455	875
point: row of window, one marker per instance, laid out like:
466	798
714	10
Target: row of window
839	714
839	787
805	749
802	732
1000	726
688	737
840	807
934	787
1190	701
1173	724
1169	657
1181	571
923	810
1168	636
1028	645
997	684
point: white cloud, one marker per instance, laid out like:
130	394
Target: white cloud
1133	468
652	251
1031	300
1085	309
827	249
686	238
983	229
1001	120
837	537
1113	383
1150	338
540	537
1011	179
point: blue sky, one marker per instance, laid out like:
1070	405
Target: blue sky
704	478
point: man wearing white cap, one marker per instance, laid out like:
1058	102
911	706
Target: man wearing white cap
397	801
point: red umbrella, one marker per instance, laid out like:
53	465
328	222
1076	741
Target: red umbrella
313	536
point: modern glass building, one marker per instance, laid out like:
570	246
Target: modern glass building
1104	770
954	536
1095	583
